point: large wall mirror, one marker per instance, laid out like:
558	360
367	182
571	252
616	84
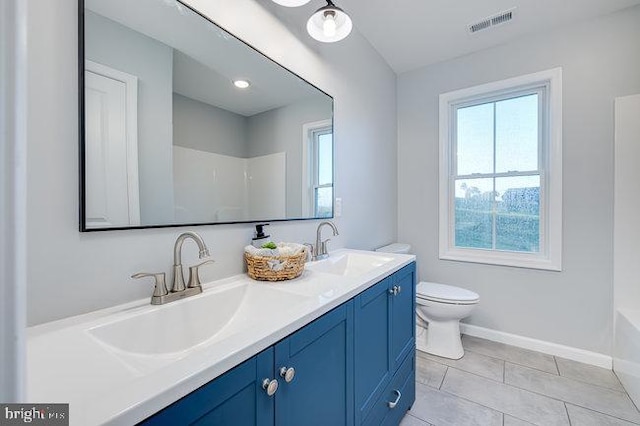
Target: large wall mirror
168	139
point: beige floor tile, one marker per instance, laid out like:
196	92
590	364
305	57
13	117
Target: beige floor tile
589	374
442	409
429	373
472	362
509	353
519	403
583	417
585	395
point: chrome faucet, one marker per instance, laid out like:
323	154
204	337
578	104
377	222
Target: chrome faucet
178	277
178	290
320	250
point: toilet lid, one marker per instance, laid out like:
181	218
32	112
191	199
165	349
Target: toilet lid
445	293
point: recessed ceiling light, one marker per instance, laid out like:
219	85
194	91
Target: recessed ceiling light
291	3
241	84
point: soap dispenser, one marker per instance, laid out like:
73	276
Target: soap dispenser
260	238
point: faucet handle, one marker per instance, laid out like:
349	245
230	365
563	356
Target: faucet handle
323	246
161	284
310	254
194	276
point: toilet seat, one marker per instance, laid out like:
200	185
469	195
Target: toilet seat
448	294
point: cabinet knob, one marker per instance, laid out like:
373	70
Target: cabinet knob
395	290
270	386
392	404
287	373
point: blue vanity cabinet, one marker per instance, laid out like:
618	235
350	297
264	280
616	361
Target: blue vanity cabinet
236	398
384	349
403	316
321	354
354	365
320	391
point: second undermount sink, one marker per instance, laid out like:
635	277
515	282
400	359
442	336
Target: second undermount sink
180	326
350	264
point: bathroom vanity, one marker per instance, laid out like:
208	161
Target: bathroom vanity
335	346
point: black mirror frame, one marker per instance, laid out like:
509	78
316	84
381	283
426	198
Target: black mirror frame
81	137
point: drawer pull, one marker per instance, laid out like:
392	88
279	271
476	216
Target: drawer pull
392	404
287	374
270	386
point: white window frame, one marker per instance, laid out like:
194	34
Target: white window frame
310	131
549	256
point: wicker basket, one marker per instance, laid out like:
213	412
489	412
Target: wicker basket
275	268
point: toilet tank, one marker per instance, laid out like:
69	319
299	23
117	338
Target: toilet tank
400	248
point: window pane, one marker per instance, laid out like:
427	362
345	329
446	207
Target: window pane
517	134
474	201
325	159
475	139
324	202
518	213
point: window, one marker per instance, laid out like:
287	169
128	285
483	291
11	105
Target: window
318	177
501	172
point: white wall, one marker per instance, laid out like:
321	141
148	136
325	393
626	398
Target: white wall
208	186
600	61
71	272
266	185
119	47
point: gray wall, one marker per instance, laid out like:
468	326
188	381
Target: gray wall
117	46
600	60
201	126
280	130
70	272
13	179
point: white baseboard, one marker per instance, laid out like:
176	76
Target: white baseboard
575	354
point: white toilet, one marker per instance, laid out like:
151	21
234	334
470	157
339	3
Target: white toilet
442	307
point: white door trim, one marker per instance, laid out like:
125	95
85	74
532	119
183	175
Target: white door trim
131	107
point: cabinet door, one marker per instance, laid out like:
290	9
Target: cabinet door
234	399
321	392
372	337
403	316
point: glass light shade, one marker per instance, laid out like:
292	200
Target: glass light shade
320	27
291	3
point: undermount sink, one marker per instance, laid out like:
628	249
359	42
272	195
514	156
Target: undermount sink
179	326
350	264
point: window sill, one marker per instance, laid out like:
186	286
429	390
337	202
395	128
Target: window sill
502	258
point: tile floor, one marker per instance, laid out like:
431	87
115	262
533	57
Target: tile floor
502	385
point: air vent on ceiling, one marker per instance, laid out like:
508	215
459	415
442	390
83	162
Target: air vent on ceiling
491	21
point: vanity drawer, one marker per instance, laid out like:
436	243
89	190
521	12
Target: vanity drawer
403	384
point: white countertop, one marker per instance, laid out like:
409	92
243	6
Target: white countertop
104	385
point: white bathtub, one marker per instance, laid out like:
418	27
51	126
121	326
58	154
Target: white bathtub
626	351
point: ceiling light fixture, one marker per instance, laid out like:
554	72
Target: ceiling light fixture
329	24
241	84
291	3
